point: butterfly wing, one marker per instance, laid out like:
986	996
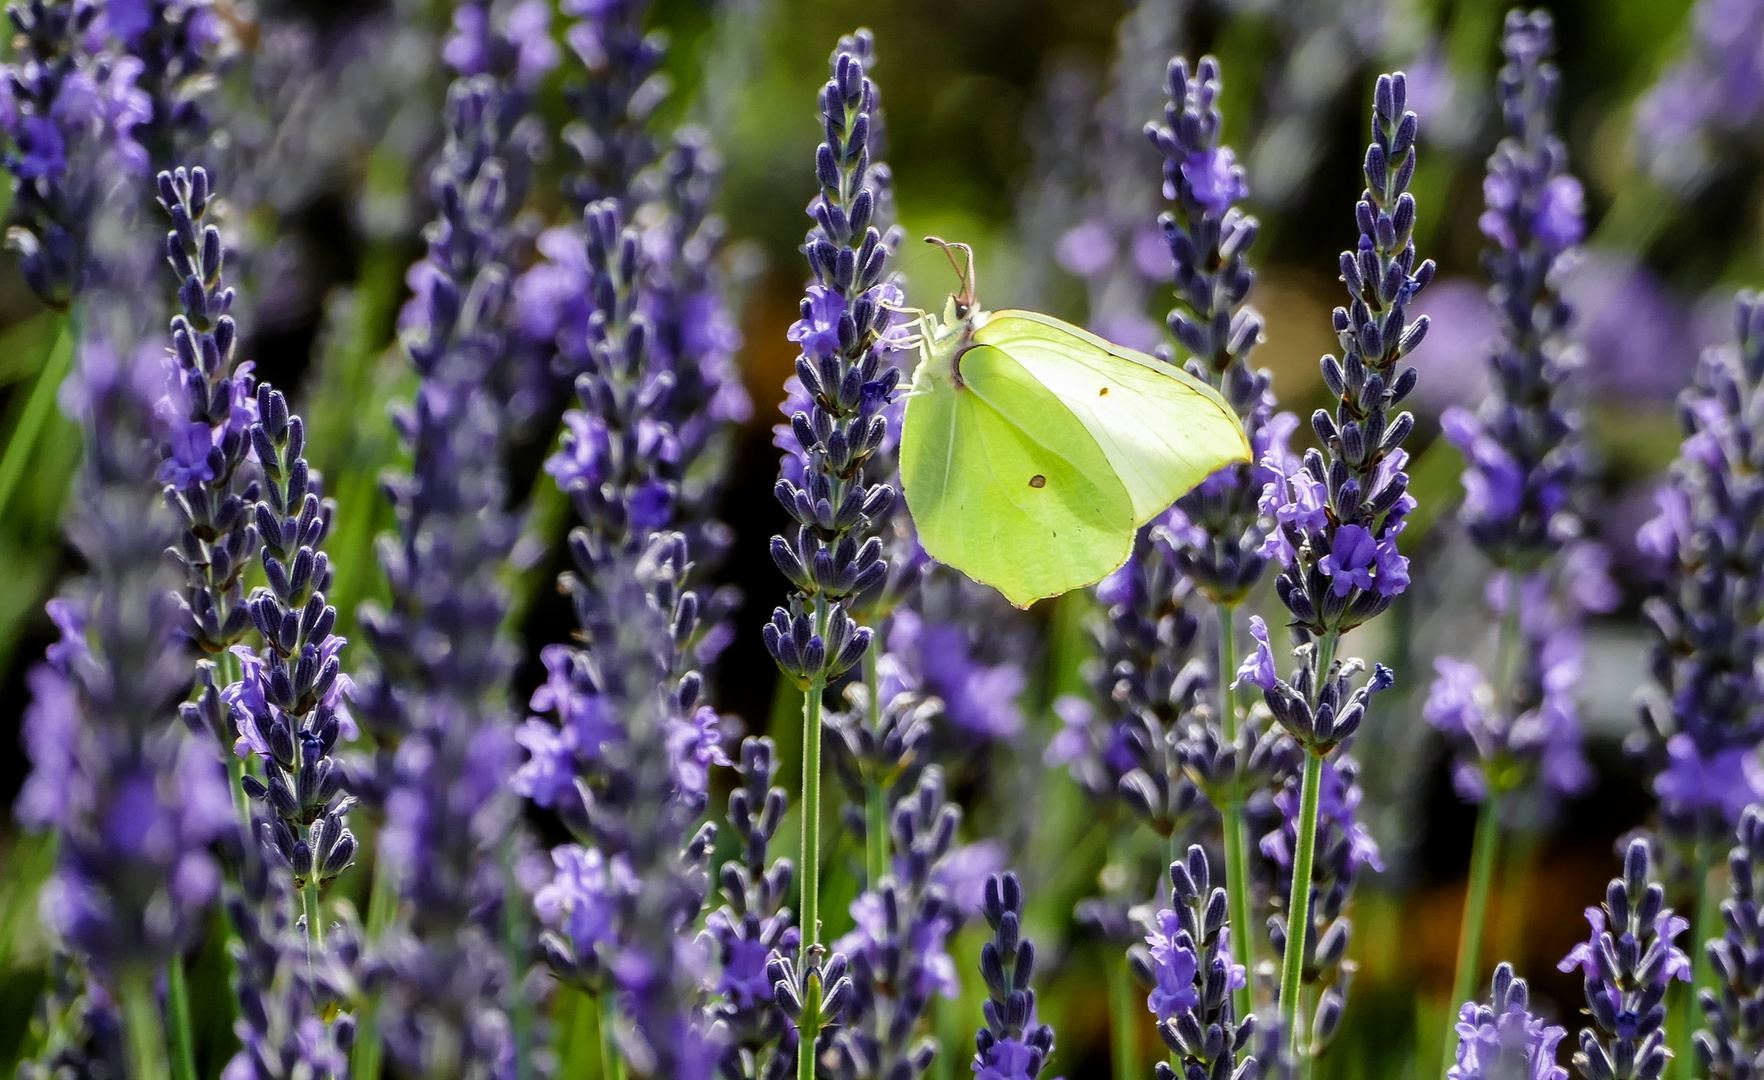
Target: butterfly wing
1162	430
1007	486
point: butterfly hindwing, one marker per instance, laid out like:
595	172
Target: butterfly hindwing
1007	485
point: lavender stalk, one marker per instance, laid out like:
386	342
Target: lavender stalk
1187	966
1339	515
435	700
1524	466
1217	532
1012	1045
1629	961
833	555
1503	1039
1732	1043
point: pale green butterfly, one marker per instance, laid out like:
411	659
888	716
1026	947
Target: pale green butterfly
1033	451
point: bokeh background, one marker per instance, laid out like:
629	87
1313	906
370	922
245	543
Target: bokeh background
1014	125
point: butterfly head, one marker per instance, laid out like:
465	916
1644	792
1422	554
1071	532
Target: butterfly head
947	339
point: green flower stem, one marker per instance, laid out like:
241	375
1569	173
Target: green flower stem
314	918
1469	970
811	852
612	1067
1123	1021
875	798
178	1002
38	411
1298	908
141	1025
236	765
1237	881
364	1060
1707	925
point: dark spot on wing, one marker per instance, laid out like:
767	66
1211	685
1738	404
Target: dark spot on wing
1038	481
1104	392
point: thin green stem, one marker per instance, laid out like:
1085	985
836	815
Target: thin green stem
39	409
364	1061
875	798
612	1067
1469	971
141	1024
229	667
314	919
811	853
1124	1021
183	1044
1298	907
1707	925
1237	881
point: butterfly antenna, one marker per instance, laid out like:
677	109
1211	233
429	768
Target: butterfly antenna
964	299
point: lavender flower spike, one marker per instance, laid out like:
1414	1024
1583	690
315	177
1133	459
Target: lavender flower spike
138	807
1339	513
1216	533
1522	448
1702	722
1732	1045
1012	1045
753	926
897	955
208	481
1524	472
1628	963
290	699
436	700
834	553
1186	962
69	129
1502	1040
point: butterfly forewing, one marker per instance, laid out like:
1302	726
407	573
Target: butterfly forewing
1161	430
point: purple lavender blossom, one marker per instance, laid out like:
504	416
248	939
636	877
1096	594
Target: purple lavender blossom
177	45
1361	481
896	955
1705	706
138	809
1186	962
1715	92
1012	1045
434	700
289	704
1522	446
70	118
210	408
849	390
1731	1041
282	989
624	896
630	302
1628	962
979	699
1503	1039
753	925
1504	741
90	1033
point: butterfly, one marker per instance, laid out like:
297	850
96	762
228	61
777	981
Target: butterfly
1033	451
